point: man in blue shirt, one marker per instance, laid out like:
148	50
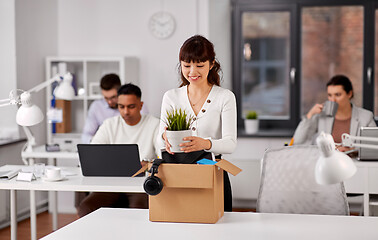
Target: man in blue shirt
103	108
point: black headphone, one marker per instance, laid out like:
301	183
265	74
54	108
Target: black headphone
153	185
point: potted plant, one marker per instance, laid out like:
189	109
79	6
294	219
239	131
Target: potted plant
251	122
178	124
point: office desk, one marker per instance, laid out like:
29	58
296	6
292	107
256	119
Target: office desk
108	223
365	181
72	183
40	152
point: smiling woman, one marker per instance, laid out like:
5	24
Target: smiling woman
213	107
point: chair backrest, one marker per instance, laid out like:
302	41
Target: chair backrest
288	184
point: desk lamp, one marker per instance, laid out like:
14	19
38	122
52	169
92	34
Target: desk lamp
348	141
332	166
29	114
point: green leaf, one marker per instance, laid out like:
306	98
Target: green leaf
178	120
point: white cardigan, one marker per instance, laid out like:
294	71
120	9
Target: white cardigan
215	121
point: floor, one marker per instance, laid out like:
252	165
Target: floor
44	226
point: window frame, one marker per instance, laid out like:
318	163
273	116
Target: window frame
295	8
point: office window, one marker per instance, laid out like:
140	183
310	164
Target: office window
332	43
265	85
284	53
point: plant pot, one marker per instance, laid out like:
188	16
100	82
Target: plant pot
251	126
175	138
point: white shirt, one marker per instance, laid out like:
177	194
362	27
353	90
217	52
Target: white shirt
215	121
97	113
116	131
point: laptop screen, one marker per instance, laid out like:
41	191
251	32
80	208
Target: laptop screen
109	160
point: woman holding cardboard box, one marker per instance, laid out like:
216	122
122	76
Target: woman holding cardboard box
213	108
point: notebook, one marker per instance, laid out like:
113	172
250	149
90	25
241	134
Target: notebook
9	174
365	153
109	160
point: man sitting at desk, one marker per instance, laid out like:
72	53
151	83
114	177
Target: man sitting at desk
102	109
129	128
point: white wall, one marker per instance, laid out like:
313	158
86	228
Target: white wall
36	38
220	35
7	66
120	27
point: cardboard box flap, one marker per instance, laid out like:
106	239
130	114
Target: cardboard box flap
144	168
229	167
186	175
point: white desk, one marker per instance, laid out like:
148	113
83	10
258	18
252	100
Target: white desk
365	181
108	223
40	152
73	183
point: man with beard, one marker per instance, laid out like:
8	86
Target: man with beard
103	108
131	127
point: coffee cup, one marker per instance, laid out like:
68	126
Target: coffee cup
330	108
53	173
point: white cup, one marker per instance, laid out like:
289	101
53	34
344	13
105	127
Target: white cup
53	173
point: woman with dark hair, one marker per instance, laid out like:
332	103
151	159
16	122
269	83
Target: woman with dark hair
214	108
348	118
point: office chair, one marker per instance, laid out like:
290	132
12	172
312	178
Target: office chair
288	184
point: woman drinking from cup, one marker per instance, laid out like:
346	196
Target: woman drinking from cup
347	119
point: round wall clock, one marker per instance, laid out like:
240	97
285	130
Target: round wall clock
162	25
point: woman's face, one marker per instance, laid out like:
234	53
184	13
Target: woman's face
336	93
194	72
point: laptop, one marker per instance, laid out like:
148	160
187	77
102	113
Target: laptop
109	160
365	153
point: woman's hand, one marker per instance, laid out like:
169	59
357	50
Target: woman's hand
350	151
316	109
167	144
195	144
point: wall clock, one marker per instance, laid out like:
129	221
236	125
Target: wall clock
162	25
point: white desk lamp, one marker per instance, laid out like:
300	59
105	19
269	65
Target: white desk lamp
332	166
348	141
30	114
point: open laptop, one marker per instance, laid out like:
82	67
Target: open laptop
365	153
109	160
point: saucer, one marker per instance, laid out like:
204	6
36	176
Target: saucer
61	178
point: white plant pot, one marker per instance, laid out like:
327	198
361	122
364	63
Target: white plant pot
175	138
251	126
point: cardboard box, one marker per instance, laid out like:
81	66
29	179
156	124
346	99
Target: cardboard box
191	193
65	126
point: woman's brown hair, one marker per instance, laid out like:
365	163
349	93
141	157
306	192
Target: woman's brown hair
199	49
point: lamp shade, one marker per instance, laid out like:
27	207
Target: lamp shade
28	114
332	166
65	90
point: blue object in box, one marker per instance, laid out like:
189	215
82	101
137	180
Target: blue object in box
205	161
